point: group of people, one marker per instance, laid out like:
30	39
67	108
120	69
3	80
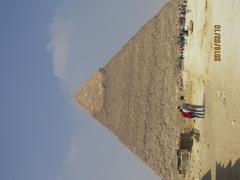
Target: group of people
186	110
183	32
192	111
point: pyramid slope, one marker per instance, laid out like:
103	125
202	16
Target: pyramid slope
141	94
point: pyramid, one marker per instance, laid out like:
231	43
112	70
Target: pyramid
91	95
136	94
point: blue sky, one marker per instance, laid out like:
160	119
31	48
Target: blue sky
48	49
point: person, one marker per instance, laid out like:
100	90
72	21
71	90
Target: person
186	114
191	107
190	114
192	111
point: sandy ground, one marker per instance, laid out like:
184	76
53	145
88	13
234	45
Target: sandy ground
217	155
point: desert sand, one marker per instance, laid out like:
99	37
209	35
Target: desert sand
217	155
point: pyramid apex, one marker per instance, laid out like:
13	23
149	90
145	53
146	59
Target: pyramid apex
91	94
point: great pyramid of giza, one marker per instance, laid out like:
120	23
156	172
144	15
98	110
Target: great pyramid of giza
136	94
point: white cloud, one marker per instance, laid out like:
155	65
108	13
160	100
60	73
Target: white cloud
62	32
